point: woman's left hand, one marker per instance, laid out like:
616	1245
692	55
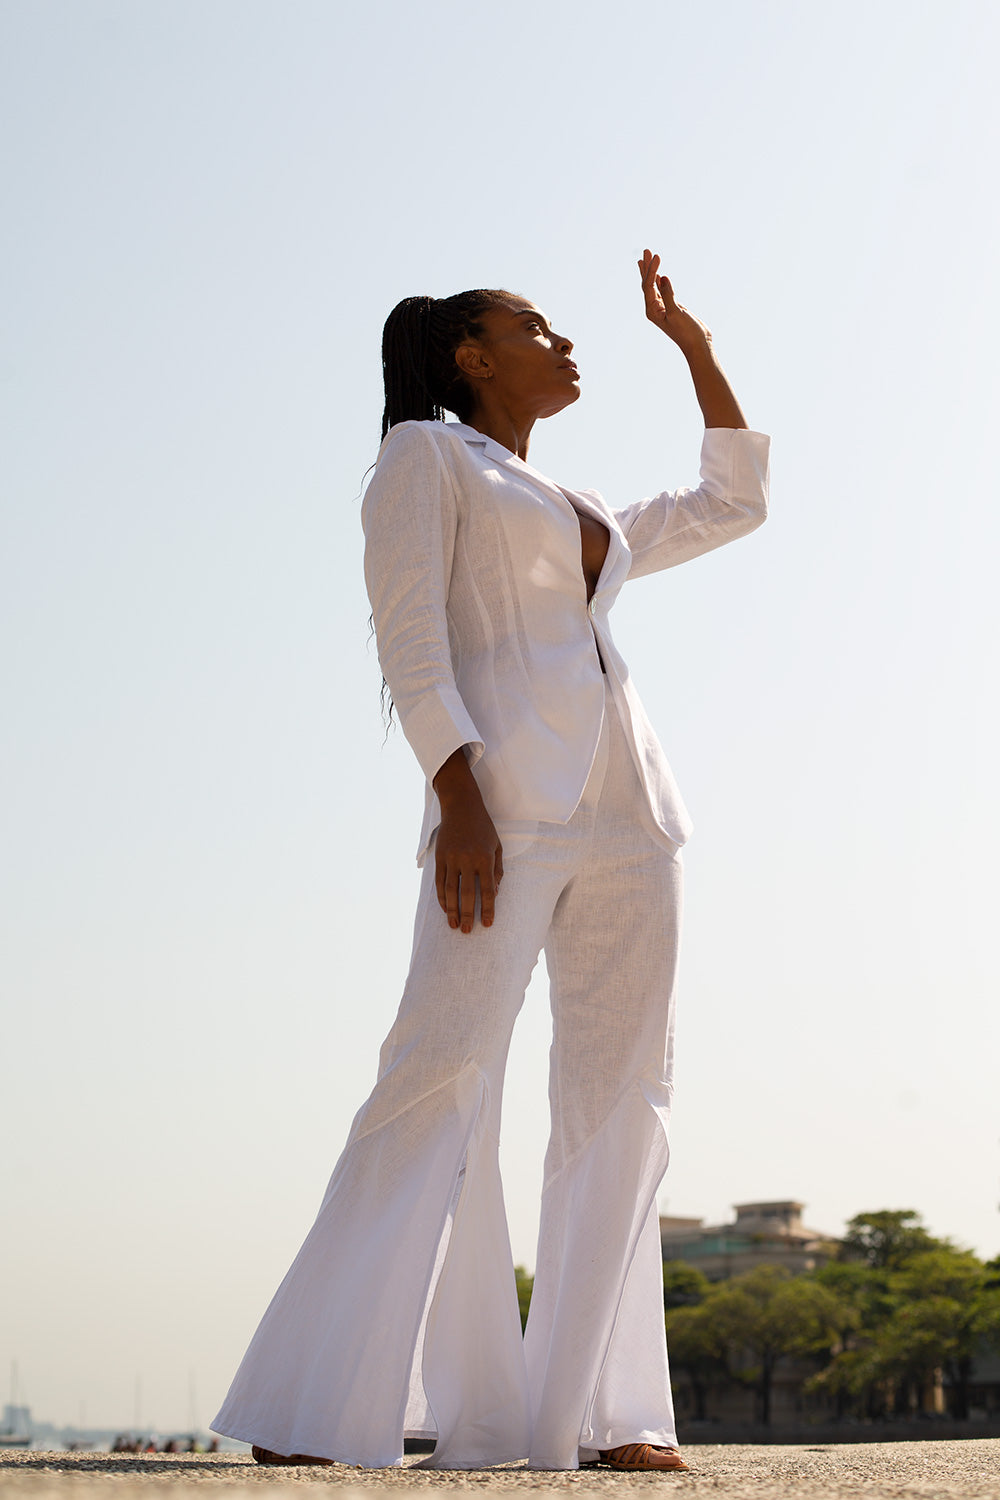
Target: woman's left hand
687	331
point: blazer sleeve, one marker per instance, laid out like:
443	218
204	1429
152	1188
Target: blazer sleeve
730	501
410	517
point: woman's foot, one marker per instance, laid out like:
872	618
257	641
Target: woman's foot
643	1456
265	1456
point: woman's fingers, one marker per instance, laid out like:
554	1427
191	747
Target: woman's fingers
649	265
467	901
457	883
487	900
663	309
489	889
657	300
447	891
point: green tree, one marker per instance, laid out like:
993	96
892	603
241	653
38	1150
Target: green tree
767	1315
683	1284
897	1313
886	1240
928	1318
947	1311
865	1302
697	1347
524	1284
877	1368
860	1292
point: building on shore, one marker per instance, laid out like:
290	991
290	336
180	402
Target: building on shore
773	1234
763	1234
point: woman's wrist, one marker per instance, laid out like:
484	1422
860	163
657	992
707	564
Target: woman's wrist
699	353
454	784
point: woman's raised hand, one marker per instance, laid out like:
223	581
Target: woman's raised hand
687	331
467	851
718	403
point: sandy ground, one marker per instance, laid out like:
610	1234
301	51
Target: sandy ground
969	1469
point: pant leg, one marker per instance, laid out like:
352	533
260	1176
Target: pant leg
414	1207
595	1342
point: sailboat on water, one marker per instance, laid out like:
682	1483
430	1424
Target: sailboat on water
13	1433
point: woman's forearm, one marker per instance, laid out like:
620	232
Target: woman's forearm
716	398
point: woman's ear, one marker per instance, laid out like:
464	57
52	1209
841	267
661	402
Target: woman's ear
473	362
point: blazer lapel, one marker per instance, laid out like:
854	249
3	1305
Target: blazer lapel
619	554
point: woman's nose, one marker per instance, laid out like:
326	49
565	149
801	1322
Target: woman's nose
563	344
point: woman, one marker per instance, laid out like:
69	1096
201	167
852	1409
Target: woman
490	589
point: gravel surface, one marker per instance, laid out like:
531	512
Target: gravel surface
966	1470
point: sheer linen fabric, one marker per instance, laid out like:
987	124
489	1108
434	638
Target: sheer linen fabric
400	1312
485	633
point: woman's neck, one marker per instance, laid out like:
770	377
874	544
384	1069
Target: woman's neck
512	430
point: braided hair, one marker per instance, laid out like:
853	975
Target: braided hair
419	340
422	380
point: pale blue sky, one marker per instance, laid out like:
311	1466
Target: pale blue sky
210	206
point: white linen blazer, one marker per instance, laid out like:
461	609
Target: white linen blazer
485	636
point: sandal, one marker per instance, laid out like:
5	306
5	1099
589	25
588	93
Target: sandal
642	1456
265	1456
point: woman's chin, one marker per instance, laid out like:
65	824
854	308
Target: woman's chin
566	398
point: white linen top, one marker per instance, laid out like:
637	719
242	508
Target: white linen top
485	636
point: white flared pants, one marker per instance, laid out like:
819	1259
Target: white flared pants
399	1314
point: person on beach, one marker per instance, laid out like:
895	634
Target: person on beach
553	822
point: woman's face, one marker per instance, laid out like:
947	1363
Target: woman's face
528	364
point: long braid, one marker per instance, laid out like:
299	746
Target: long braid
405	340
422	380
